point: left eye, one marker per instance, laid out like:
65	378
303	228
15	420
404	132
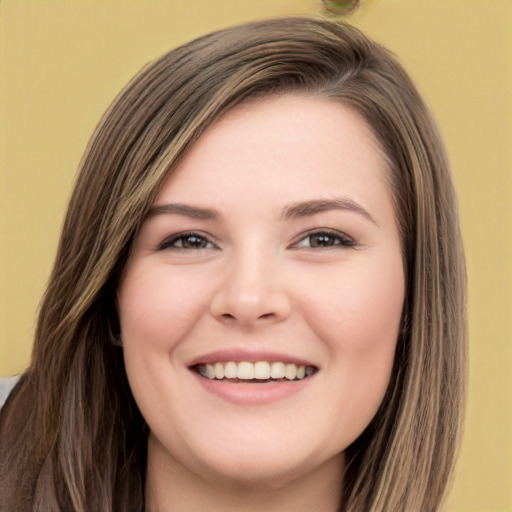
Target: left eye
187	241
323	239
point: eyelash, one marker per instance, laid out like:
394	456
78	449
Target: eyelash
334	238
169	243
331	237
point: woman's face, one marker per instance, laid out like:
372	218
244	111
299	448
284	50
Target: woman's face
261	305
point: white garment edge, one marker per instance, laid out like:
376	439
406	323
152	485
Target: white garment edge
6	386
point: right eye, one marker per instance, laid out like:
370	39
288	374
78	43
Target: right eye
187	241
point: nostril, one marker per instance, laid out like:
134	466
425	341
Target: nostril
231	317
236	305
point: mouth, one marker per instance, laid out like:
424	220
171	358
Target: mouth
260	372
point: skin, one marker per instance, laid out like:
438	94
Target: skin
263	275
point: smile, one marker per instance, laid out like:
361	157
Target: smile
258	372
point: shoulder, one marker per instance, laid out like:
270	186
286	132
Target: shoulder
6	386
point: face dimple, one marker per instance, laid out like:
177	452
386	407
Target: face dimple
273	243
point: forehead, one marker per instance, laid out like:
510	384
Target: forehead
287	147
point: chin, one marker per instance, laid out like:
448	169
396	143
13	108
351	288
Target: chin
260	475
261	468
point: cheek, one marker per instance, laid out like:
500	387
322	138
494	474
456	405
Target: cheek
357	310
357	317
156	311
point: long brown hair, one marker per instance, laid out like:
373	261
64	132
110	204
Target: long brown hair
71	436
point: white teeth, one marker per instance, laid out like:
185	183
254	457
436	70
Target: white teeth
219	370
261	370
245	370
210	371
290	371
231	370
277	370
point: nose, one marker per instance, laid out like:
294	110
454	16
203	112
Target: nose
251	292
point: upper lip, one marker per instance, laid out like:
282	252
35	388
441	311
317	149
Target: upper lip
251	356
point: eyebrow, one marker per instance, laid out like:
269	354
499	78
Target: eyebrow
309	208
186	210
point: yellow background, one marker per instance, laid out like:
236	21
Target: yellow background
63	61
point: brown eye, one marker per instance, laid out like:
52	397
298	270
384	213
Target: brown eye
188	241
193	242
322	240
325	239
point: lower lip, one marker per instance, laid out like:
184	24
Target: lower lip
252	394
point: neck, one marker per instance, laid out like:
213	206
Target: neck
174	487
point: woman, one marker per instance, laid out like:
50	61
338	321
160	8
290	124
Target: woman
258	298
